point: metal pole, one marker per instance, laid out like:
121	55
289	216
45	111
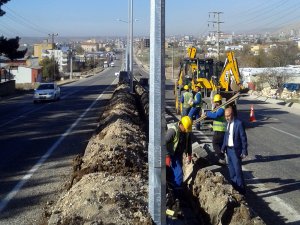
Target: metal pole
173	61
128	41
71	65
131	46
218	37
157	124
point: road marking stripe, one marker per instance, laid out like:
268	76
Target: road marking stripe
25	178
275	203
284	132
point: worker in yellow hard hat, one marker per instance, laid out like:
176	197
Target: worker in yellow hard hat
196	105
178	144
219	128
186	97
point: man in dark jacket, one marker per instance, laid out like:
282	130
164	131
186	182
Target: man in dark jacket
235	145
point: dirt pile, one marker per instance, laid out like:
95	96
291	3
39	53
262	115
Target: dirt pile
220	202
110	182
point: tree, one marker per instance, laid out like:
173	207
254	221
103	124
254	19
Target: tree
273	78
283	55
2	2
9	48
48	69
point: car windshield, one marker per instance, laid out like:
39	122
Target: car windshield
45	86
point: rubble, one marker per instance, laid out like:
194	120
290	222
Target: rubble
268	92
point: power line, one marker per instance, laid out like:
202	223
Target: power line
21	20
272	14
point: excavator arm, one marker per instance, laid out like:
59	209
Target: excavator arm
230	76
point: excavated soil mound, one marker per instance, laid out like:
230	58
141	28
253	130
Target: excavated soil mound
221	203
109	185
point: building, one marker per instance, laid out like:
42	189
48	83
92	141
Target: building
146	42
234	48
39	48
90	46
30	72
60	56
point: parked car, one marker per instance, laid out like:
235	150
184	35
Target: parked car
46	92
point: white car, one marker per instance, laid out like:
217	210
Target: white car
46	92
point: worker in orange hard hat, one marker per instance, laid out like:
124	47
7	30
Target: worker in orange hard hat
178	143
219	127
186	97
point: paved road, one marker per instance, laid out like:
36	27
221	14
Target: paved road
271	169
38	142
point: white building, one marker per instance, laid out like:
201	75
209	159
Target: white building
60	56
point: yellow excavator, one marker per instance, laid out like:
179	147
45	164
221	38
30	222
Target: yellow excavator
213	77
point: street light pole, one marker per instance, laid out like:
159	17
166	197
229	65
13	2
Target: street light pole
71	65
173	60
130	29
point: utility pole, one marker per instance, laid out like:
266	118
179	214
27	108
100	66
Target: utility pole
130	26
173	60
52	41
71	64
157	122
218	22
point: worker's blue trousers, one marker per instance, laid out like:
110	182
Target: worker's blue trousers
185	111
195	114
176	177
235	170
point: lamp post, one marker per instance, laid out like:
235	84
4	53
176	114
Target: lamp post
127	46
130	26
173	60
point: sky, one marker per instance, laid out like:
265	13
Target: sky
92	18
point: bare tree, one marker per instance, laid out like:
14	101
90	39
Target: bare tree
273	79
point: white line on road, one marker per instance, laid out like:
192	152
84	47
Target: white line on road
284	132
25	178
275	203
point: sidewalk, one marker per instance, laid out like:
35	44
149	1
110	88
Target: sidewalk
289	107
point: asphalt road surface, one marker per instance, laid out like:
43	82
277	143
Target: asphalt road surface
39	141
271	168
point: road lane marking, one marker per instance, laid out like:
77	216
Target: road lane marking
284	132
275	203
41	107
25	178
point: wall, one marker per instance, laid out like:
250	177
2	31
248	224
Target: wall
7	88
22	75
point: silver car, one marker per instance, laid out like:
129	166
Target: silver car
46	92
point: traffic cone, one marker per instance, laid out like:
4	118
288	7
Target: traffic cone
252	117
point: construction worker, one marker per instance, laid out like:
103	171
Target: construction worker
219	127
178	142
196	106
185	99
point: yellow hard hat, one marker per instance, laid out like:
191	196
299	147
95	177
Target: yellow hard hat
186	87
187	123
217	98
198	85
